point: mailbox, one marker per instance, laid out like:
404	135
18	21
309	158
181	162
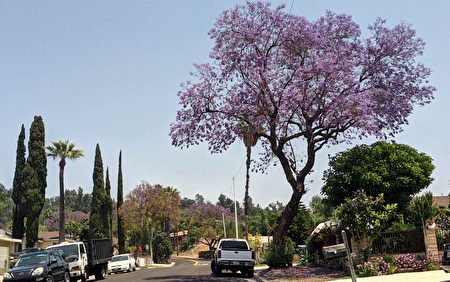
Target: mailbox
334	251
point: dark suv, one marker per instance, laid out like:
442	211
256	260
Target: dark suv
48	266
446	258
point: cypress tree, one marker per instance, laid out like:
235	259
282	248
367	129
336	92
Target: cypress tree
35	178
108	204
18	192
98	222
120	223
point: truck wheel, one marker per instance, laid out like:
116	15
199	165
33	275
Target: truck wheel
218	271
250	272
84	276
100	274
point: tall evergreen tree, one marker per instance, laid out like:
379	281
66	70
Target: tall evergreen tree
63	150
33	201
108	203
120	223
98	222
18	190
35	183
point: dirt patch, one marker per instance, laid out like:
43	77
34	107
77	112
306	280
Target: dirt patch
301	273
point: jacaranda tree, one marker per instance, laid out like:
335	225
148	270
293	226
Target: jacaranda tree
300	85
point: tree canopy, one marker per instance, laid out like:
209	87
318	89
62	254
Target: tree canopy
396	170
299	85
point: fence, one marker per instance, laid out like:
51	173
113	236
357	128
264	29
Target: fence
442	237
397	242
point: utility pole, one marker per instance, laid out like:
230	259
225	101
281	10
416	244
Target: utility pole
235	210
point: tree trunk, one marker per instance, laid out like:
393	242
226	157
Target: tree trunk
62	231
247	183
285	220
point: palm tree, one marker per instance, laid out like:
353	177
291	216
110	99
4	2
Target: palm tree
250	138
63	150
422	210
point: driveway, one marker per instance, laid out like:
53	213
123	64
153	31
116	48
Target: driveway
425	276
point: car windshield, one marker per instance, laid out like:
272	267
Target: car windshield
119	258
32	259
68	250
233	245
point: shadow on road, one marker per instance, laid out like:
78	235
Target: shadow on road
188	278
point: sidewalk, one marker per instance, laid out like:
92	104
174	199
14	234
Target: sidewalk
425	276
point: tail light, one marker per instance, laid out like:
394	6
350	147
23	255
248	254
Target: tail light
219	254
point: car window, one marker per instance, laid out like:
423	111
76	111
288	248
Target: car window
119	258
233	245
32	259
68	250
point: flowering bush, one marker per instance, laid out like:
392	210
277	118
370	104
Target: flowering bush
410	261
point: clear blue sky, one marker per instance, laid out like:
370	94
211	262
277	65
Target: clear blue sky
108	72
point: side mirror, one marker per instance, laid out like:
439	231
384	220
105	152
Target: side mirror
52	261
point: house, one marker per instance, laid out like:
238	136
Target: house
441	201
49	238
8	245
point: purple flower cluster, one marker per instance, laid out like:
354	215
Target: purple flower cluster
410	261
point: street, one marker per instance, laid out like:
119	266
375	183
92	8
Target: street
183	270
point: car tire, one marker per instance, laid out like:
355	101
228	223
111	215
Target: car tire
49	279
100	274
84	276
66	277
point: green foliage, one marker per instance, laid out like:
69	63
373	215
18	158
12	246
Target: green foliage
34	179
120	222
422	209
6	208
321	211
162	248
365	215
279	259
205	254
398	171
108	204
18	191
301	226
36	152
98	222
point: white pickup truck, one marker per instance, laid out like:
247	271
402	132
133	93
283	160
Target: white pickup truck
234	255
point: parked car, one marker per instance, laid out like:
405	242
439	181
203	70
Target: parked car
121	263
234	255
48	266
446	258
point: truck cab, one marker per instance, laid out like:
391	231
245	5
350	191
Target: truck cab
76	256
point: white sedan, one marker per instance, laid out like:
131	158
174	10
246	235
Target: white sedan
120	263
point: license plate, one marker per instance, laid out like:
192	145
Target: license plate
236	263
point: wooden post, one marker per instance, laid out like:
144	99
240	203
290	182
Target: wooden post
349	256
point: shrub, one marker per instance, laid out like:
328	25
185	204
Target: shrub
206	254
162	248
410	261
366	269
284	259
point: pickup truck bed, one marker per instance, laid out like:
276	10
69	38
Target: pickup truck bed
234	255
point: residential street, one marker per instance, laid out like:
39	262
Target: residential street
183	270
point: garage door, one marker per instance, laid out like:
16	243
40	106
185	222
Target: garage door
4	251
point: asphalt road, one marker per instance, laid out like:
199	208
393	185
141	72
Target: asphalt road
184	270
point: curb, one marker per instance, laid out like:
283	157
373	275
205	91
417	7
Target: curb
156	265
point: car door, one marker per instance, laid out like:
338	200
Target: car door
56	266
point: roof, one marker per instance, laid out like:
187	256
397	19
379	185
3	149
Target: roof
48	235
6	237
441	201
